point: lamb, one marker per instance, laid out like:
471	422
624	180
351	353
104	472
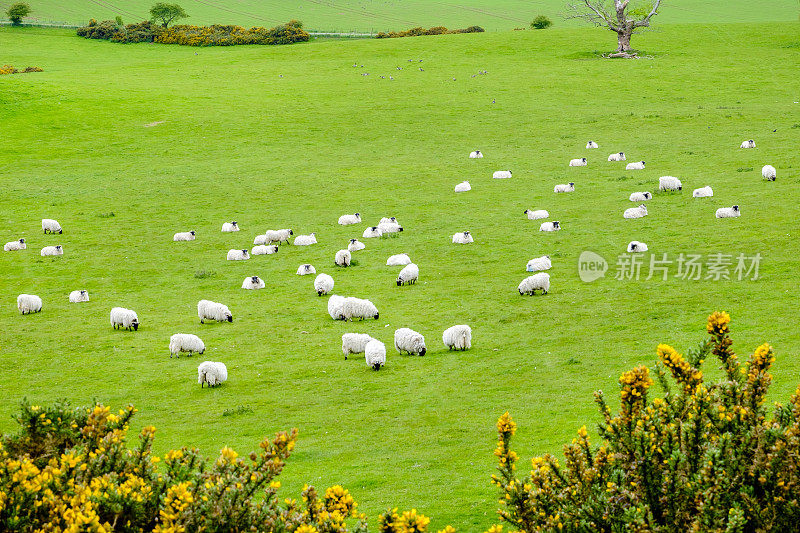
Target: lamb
253	282
728	212
79	296
577	162
336	307
569	187
638	165
539	263
323	284
238	255
211	373
15	245
619	156
535	215
398	260
389	227
372	231
52	250
409	274
408	340
229	227
305	240
264	249
355	245
184	236
748	144
29	303
124	318
185	342
703	192
550	226
463	187
346	220
502	174
389	220
208	310
375	354
458	337
463	237
354	343
359	308
769	173
278	235
537	282
476	155
342	258
640	196
592	144
635	212
669	183
51	226
636	246
302	270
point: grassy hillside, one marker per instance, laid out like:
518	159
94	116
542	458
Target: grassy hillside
295	136
381	15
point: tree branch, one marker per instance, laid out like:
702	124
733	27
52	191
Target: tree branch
645	22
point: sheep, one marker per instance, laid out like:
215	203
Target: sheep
372	231
124	318
375	354
238	255
323	284
354	343
728	212
79	296
52	250
408	340
359	308
278	235
669	183
346	220
264	249
260	240
550	226
537	282
619	156
592	144
640	196
229	227
748	144
185	342
342	258
539	263
636	246
389	220
569	187
535	215
355	245
769	173
398	260
502	174
462	237
208	310
389	227
476	155
212	373
336	307
253	282
703	192
184	236
635	212
577	162
638	165
302	270
305	240
51	226
464	186
15	245
409	274
29	303
458	337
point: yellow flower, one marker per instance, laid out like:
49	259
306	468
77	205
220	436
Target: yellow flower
506	425
718	323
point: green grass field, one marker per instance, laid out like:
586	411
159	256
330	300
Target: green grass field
294	136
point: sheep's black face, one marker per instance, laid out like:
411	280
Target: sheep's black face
22	241
423	351
642	163
233	223
202	351
135	326
358	214
255	279
60	231
399	282
376	366
192	232
377	315
680	187
736	208
400	229
291	232
230	318
520	292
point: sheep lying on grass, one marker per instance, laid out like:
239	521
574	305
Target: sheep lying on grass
502	174
229	227
578	162
305	269
253	282
536	215
636	247
462	237
238	255
640	196
184	236
305	240
265	249
638	165
550	226
748	144
728	212
79	296
464	186
346	220
669	183
561	187
52	250
398	260
703	192
635	212
539	263
476	155
355	245
619	156
15	245
343	258
372	232
592	144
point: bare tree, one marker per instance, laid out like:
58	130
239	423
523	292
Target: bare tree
617	16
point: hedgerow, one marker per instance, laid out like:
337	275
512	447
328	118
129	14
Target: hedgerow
416	32
9	69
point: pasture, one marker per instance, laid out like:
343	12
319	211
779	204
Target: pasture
127	144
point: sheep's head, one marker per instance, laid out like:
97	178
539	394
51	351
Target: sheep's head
547	257
423	351
583	159
83	293
352	241
556	224
358	215
291	232
399	282
647	195
233	223
22	241
255	279
58	247
622	154
680	187
244	251
572	184
642	163
400	228
526	211
135	324
376	366
374	228
192	232
377	315
736	208
229	317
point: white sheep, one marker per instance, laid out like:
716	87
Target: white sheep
375	354
52	250
636	246
669	183
264	249
592	144
211	373
278	235
539	263
260	240
305	240
354	343
409	274
323	284
398	260
355	245
51	226
253	282
29	303
462	237
184	236
389	227
343	258
619	156
124	318
458	337
568	187
769	172
577	162
238	255
638	165
336	307
229	227
372	231
635	212
550	226
640	196
502	174
748	144
464	186
408	340
305	269
185	342
703	192
728	212
476	155
536	215
389	220
79	296
15	245
208	310
359	308
346	220
537	282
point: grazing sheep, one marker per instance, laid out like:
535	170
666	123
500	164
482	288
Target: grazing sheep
346	220
253	282
15	245
463	237
354	343
238	255
577	162
375	354
336	307
592	144
305	240
264	249
728	212
569	187
408	340
409	274
185	342
124	318
208	310
463	187
52	250
635	212
638	165
302	270
211	373
458	337
619	156
260	239
355	245
29	303
390	227
51	226
398	260
539	263
537	282
502	174
636	246
476	155
703	192
535	215
323	284
184	236
669	183
640	196
372	231
359	308
342	258
769	172
389	220
278	235
550	226
748	144
229	227
79	296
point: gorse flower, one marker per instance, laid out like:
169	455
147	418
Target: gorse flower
690	378
718	323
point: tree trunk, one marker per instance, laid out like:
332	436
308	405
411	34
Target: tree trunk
624	39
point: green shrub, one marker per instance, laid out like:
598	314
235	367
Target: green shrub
118	20
103	30
16	12
416	32
541	23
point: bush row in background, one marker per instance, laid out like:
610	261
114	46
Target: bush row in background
436	30
8	69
